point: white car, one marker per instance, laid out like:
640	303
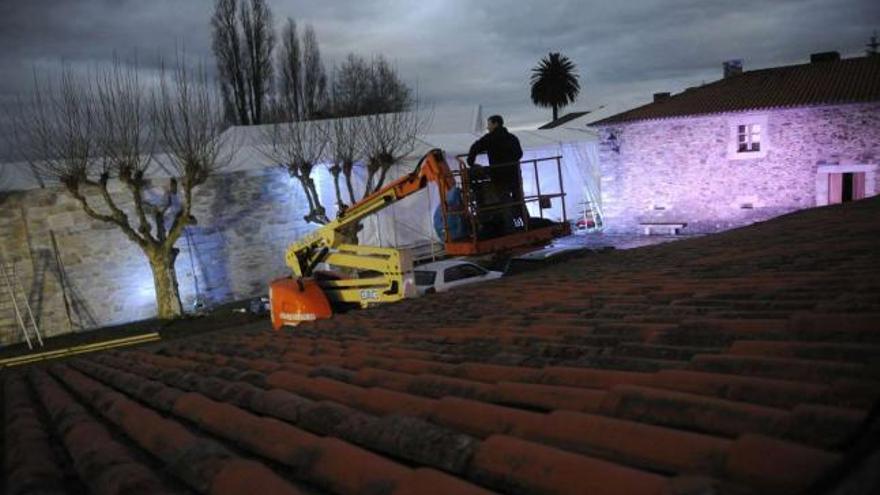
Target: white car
441	276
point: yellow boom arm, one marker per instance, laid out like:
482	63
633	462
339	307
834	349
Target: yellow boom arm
330	244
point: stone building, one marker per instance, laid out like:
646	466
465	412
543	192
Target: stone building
750	146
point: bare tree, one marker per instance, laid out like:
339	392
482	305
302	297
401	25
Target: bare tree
243	42
344	150
314	77
385	130
259	36
290	73
351	86
54	131
386	139
299	147
87	133
187	114
226	44
363	88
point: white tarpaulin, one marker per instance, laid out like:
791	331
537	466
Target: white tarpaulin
410	221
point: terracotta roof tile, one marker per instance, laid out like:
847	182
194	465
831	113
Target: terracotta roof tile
693	412
32	464
769	392
793	467
621	375
520	466
547	397
647	446
832	82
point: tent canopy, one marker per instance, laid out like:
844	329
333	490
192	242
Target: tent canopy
410	221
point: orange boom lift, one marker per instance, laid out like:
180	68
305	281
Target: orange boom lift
311	293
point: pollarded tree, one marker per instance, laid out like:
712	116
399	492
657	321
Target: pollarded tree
343	153
190	121
387	138
87	132
554	83
299	147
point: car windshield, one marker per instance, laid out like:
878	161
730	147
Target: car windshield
425	277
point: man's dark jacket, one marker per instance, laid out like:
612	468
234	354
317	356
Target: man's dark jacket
501	146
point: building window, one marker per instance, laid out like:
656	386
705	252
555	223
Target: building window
748	138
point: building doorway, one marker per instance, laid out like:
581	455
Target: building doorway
845	187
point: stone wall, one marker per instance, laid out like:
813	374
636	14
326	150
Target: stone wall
245	222
680	169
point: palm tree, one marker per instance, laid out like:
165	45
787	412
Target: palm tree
554	83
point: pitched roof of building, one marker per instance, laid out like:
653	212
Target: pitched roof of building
743	362
563	120
826	82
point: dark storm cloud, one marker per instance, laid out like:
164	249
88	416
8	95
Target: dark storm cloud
461	52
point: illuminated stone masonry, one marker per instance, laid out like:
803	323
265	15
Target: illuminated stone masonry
245	222
691	169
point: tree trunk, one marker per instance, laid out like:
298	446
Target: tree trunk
320	212
368	187
308	193
339	203
382	174
350	188
555	112
165	280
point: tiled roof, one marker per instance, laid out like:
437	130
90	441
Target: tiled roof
744	361
562	120
843	81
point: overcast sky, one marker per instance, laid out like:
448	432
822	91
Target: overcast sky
463	53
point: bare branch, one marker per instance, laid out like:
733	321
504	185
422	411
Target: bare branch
226	44
188	116
314	76
299	147
290	65
124	138
243	39
367	88
344	150
386	139
259	36
53	129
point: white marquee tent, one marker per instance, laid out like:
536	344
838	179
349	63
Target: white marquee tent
411	221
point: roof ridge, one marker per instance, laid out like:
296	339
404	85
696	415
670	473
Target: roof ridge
771	87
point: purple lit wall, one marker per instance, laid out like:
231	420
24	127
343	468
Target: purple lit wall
688	170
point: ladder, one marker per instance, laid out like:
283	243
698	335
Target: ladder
591	212
20	304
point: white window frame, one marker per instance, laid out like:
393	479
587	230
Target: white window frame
755	126
748	138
